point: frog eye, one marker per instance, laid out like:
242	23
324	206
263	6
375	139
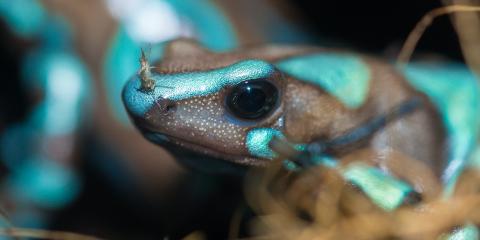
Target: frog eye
252	99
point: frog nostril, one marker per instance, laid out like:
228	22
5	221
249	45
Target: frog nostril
165	106
171	108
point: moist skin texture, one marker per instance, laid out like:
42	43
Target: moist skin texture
203	132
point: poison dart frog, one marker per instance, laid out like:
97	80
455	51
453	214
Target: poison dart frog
218	110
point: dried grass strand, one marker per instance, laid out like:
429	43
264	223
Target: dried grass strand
412	40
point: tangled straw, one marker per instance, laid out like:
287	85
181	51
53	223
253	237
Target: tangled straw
319	204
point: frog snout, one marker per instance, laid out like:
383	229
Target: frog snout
139	102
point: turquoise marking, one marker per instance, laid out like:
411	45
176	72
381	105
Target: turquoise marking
468	232
384	190
56	34
258	140
44	182
455	91
214	29
291	166
16	144
65	82
474	161
24	17
324	160
186	85
346	77
61	76
29	19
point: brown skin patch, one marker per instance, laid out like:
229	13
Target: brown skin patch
305	113
312	114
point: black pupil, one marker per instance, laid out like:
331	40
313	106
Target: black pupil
252	99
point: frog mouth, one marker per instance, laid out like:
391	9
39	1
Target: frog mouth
179	144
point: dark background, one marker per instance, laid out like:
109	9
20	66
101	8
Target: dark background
377	26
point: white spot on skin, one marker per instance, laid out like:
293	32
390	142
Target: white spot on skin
202	121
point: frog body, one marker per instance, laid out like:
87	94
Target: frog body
320	94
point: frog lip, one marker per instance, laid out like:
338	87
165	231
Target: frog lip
167	140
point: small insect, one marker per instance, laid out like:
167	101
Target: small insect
147	83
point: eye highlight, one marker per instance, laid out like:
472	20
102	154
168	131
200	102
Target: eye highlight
252	99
